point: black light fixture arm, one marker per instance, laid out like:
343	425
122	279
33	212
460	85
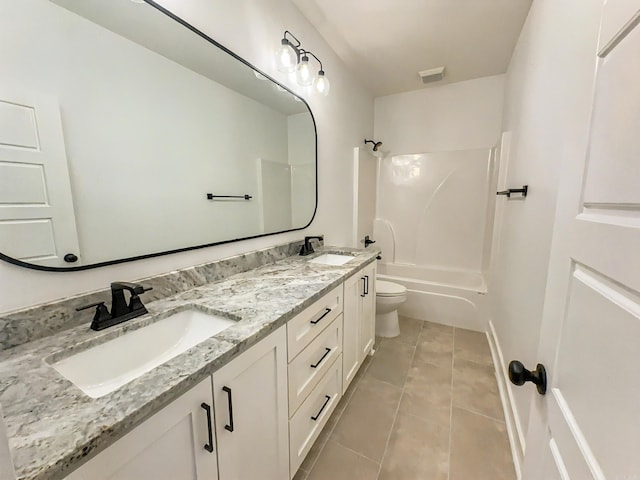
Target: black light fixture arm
284	37
308	52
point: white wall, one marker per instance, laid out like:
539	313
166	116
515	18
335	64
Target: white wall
442	134
252	30
548	88
456	116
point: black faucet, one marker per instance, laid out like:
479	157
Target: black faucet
307	248
120	311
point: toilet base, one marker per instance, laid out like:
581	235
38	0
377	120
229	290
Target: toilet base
387	324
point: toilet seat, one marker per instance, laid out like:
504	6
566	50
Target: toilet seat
389	289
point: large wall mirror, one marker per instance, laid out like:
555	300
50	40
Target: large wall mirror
126	133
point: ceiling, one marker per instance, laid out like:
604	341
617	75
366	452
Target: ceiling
386	42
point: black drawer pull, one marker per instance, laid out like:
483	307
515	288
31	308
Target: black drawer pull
315	419
364	287
229	427
328	350
208	446
327	312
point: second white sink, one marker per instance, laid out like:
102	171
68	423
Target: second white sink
106	367
331	259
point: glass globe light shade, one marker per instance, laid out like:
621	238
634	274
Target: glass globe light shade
304	76
322	84
286	58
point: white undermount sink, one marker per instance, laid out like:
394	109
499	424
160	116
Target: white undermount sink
106	367
331	259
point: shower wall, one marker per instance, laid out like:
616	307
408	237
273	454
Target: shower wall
434	188
436	204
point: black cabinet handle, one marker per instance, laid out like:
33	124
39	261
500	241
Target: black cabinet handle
229	427
520	375
327	311
364	287
315	419
328	350
208	446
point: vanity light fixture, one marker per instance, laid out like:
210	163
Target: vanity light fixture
291	57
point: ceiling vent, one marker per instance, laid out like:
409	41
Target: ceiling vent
433	75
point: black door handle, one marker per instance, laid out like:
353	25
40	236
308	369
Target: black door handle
520	375
229	427
327	311
364	287
208	446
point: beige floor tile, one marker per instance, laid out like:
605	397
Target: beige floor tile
435	345
410	329
475	388
418	449
430	327
391	363
366	423
429	383
473	346
339	463
479	448
418	406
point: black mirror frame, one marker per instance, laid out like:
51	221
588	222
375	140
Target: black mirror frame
179	250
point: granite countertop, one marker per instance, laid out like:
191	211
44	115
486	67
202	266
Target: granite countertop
52	425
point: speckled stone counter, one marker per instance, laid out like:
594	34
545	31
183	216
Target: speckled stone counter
53	426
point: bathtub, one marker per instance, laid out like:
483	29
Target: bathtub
455	298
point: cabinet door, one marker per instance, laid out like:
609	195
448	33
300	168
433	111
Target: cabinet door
368	312
252	418
353	289
168	446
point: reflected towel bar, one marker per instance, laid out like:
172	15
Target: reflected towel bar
211	196
523	191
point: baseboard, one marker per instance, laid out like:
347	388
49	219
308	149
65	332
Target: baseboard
514	426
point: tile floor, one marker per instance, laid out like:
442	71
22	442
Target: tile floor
424	407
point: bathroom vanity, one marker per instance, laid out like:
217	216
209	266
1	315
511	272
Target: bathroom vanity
248	402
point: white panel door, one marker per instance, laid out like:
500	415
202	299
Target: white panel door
365	174
37	222
251	412
587	425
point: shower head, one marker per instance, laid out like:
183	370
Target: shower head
376	145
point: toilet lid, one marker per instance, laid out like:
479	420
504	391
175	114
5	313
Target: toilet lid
389	288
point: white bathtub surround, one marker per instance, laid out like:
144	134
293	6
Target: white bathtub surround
454	298
436	204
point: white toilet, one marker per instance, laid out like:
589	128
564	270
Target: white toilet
389	297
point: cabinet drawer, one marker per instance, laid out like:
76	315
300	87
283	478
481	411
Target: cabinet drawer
312	416
306	370
306	326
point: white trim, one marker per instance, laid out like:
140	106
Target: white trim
512	419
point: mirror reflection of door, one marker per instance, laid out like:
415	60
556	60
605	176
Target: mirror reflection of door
37	221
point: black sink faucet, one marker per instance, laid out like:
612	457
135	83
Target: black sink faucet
120	311
307	248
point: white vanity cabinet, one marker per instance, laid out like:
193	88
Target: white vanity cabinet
359	321
258	416
177	442
251	410
239	432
